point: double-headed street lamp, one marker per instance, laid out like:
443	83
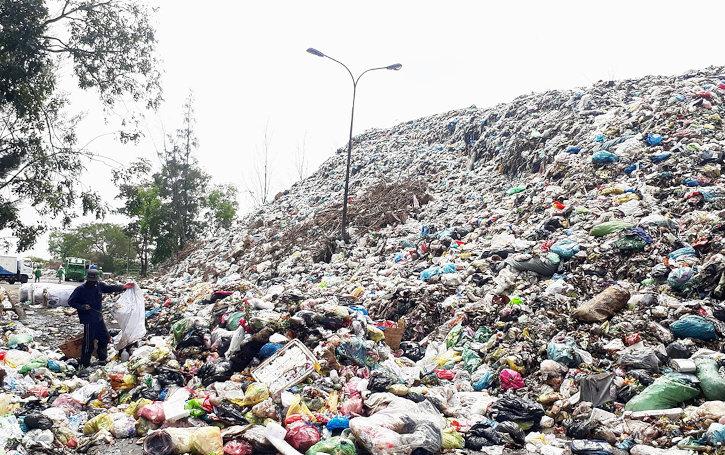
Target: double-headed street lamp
394	67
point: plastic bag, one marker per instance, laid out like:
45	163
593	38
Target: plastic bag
712	382
256	393
130	314
124	426
98	423
609	227
174	405
375	438
524	412
158	443
238	448
426	436
510	379
302	436
206	441
666	392
692	326
452	439
153	412
336	445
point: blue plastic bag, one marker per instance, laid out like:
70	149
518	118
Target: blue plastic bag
692	326
654	139
574	150
604	157
565	248
660	157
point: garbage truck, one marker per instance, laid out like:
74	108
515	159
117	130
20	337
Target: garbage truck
75	269
14	268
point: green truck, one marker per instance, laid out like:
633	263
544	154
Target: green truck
75	269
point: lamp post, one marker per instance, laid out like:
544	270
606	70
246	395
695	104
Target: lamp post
393	67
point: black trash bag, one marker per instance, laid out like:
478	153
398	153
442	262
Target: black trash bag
412	350
167	376
229	413
626	393
380	380
37	421
158	443
718	310
242	357
210	373
644	359
511	434
582	429
193	337
641	376
415	397
332	322
679	350
518	410
481	435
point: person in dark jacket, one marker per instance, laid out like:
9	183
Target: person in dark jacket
87	300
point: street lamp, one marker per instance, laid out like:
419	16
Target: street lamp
393	67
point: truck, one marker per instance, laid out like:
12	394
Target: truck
75	269
14	268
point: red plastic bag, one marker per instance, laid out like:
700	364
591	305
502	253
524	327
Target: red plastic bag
632	338
444	374
153	412
302	436
238	448
510	379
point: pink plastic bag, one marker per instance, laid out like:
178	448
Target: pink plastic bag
153	412
510	379
302	436
352	406
238	448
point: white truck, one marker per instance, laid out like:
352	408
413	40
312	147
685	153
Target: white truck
14	268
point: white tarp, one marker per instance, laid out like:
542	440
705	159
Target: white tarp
130	314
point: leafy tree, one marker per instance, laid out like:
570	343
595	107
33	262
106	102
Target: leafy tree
222	206
105	244
182	186
142	204
110	47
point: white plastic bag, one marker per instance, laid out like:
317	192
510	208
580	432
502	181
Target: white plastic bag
131	317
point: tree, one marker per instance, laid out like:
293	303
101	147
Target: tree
259	187
110	47
222	205
182	186
142	204
105	244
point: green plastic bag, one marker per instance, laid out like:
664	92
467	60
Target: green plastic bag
630	243
666	392
19	338
178	329
33	364
482	334
471	360
336	445
600	230
712	382
234	319
515	190
453	336
452	439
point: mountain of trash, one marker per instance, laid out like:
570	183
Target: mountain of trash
543	276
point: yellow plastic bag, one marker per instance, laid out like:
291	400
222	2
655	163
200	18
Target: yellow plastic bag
452	439
98	423
375	333
135	406
298	407
256	393
207	441
450	358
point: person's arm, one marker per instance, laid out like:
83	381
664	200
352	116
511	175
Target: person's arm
74	300
110	288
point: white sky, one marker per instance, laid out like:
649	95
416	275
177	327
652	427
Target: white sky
247	65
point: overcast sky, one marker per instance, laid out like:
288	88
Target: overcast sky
247	66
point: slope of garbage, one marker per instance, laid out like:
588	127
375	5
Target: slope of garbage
544	276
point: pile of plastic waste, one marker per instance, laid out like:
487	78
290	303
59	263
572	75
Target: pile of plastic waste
555	287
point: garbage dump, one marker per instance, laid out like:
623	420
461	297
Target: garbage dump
544	276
